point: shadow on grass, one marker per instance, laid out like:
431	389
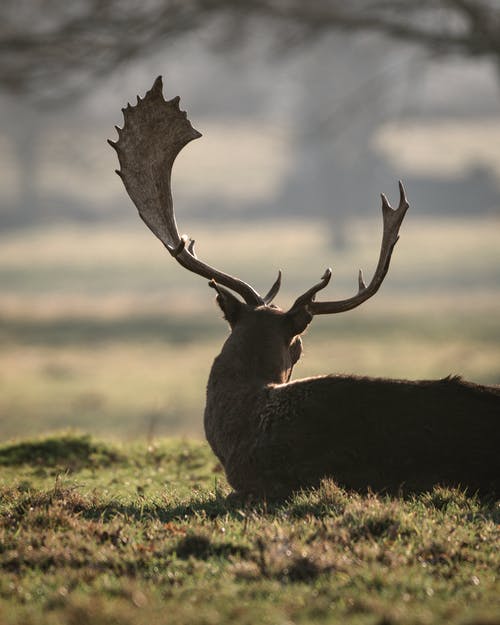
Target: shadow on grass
202	547
305	504
196	508
61	502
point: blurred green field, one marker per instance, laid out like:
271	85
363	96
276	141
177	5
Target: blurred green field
101	331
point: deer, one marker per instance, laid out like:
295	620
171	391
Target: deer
273	435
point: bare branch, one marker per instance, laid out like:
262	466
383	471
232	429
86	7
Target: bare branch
53	46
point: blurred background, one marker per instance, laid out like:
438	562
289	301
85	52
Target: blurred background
309	110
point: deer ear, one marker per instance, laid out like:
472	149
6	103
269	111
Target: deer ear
298	319
229	304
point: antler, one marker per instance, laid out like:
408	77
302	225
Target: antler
392	221
154	132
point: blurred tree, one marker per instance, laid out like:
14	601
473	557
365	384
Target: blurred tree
54	48
22	133
51	47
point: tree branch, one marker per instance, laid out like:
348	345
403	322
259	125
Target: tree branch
58	46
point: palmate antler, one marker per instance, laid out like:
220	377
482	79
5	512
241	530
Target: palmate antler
154	132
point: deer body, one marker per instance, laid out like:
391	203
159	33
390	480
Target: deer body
272	435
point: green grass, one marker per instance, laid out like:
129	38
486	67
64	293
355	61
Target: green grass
132	534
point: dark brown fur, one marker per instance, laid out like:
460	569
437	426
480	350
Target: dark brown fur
366	433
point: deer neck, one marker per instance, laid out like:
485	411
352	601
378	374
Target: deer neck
236	393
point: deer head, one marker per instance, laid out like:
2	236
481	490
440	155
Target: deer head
154	132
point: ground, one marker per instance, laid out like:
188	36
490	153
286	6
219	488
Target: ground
102	533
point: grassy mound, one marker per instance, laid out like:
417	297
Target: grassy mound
68	451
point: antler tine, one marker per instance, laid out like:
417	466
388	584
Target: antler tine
273	291
392	219
308	297
154	132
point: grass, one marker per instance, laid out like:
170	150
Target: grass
92	532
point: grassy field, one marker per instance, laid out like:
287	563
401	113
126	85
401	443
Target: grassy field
101	331
101	534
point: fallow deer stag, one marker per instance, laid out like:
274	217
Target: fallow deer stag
272	435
